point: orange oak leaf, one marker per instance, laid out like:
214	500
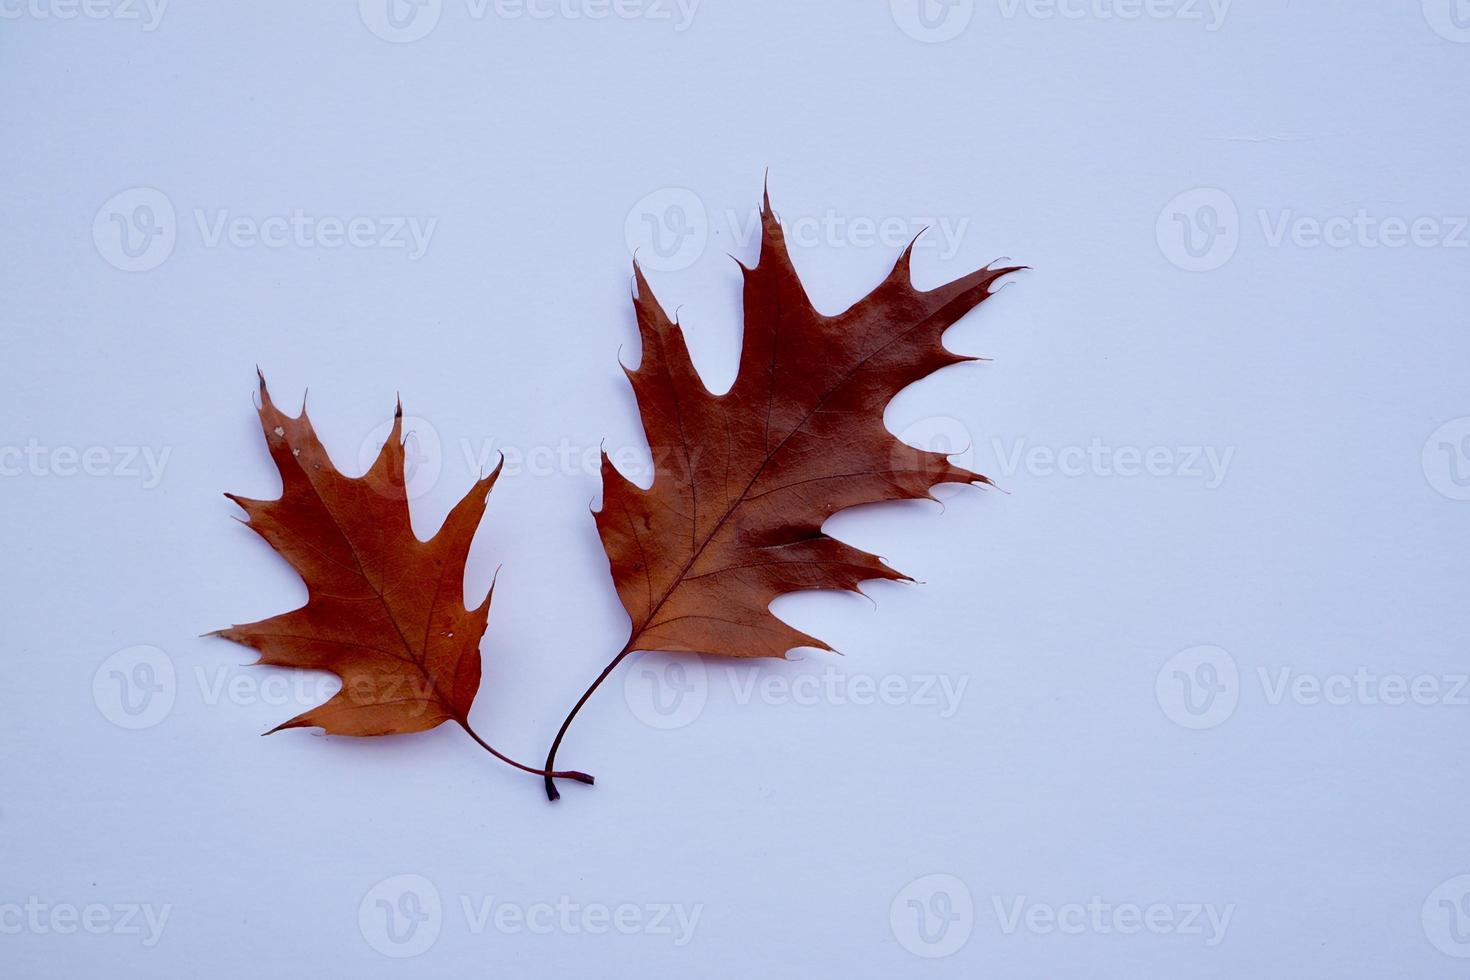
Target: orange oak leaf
737	519
385	611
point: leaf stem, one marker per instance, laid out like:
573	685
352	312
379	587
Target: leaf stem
551	791
580	777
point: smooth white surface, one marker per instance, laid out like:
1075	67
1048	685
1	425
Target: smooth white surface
1331	535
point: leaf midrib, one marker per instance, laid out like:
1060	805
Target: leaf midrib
420	665
742	498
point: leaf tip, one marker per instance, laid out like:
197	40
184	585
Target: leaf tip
494	474
640	281
263	394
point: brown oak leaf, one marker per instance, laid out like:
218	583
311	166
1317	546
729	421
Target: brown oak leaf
736	520
385	611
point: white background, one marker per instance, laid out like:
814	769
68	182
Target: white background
1071	770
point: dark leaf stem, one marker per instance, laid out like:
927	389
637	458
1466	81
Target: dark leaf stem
580	777
551	791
